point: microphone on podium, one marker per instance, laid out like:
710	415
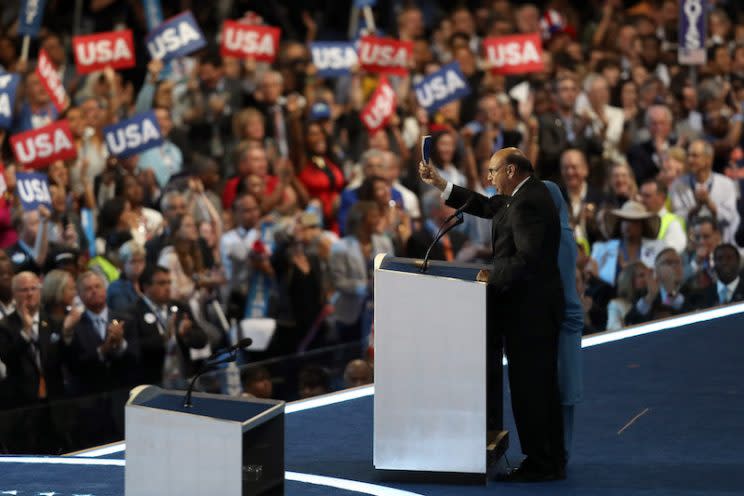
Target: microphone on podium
447	228
212	362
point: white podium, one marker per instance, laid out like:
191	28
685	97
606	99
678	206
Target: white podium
221	445
436	397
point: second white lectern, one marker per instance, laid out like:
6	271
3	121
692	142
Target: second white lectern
437	388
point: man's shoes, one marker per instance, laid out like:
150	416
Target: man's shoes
530	474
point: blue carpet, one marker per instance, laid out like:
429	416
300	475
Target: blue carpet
686	388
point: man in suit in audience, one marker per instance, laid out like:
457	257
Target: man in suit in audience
99	348
729	286
165	330
526	236
29	347
664	296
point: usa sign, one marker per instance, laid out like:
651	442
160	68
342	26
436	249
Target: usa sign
133	136
176	37
42	146
33	190
380	108
385	55
51	81
8	87
249	41
443	86
516	54
94	52
333	59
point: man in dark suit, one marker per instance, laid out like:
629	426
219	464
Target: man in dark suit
526	236
664	296
29	348
645	158
564	129
729	287
435	213
99	348
165	331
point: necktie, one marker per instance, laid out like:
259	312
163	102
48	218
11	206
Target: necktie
101	323
723	294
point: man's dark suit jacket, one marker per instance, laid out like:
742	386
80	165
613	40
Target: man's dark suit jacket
88	373
420	240
554	141
21	387
152	346
641	160
658	311
708	297
525	289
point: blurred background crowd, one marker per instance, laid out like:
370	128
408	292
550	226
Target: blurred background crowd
263	209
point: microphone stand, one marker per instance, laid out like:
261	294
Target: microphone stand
440	234
206	367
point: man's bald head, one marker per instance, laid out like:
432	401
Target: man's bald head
508	167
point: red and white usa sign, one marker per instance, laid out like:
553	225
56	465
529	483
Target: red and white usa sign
516	54
95	52
380	108
249	41
49	77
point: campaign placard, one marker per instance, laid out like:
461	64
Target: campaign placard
385	55
333	59
132	136
441	87
40	147
380	107
176	37
31	15
95	52
49	77
244	41
515	54
691	49
32	189
8	87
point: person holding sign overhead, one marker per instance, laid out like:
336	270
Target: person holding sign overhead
526	237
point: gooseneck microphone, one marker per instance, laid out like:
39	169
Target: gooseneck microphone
445	228
214	360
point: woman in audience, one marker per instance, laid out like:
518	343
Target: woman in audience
632	232
631	285
319	175
58	294
123	293
443	150
351	264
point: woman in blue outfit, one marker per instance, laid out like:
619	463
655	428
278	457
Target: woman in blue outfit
570	369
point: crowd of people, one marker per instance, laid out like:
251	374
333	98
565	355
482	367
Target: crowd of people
268	200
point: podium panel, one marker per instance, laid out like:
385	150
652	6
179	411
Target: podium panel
430	372
220	445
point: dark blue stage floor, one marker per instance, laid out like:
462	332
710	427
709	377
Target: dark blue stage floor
662	415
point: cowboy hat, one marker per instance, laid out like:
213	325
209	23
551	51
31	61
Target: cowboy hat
632	210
